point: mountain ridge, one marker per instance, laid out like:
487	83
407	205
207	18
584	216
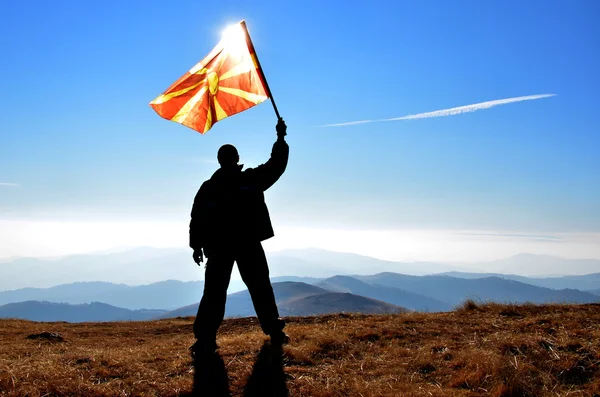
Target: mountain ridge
584	282
455	290
144	265
379	293
396	296
297	299
86	312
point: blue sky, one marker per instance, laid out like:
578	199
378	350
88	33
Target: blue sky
79	143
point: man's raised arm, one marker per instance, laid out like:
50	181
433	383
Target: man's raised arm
267	174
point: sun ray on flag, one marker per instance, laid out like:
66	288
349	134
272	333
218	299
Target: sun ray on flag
209	122
230	83
237	70
219	110
165	97
249	96
184	112
199	71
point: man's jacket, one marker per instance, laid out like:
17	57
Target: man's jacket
230	207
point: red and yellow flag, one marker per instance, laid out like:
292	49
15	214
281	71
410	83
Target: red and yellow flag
224	83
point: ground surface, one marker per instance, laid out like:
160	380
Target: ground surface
477	350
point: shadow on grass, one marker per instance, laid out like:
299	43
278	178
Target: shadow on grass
210	377
267	379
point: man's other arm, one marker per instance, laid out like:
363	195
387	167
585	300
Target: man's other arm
196	227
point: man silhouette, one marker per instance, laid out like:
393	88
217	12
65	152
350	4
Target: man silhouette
229	220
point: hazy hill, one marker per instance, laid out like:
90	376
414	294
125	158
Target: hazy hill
162	295
336	302
423	293
583	283
322	263
492	350
149	265
184	311
453	290
296	299
145	265
168	294
47	311
135	266
239	304
307	280
74	293
542	265
396	296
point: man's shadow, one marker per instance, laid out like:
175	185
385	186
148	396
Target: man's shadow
267	379
210	376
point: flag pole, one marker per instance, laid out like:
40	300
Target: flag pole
260	71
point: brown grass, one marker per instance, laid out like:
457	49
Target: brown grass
479	349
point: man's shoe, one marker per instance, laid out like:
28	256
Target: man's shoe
203	348
280	338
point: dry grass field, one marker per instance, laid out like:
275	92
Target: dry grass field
496	350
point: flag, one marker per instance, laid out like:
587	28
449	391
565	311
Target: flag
224	83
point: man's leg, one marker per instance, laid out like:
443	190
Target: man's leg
212	306
254	270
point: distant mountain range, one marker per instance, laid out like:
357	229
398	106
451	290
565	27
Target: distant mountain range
141	266
298	299
336	302
542	265
165	295
396	296
453	291
322	264
87	312
585	282
379	293
293	299
322	282
146	265
169	295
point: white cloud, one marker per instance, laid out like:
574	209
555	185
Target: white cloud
450	112
9	184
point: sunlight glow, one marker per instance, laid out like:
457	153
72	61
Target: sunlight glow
234	39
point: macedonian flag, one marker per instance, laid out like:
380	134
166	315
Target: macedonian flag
226	82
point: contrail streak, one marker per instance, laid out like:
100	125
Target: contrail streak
450	112
9	184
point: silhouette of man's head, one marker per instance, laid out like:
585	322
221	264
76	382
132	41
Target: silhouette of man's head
228	156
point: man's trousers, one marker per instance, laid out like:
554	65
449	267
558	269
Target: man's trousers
252	265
